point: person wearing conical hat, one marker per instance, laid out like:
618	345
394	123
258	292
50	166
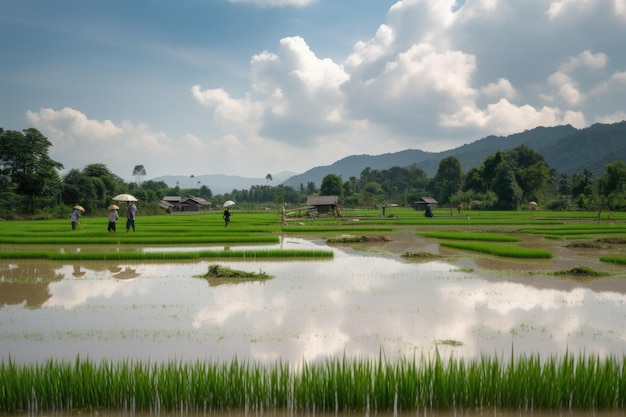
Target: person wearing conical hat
113	216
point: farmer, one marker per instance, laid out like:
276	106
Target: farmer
113	216
226	218
428	212
74	217
131	211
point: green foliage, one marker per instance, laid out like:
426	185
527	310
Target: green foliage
92	187
30	176
30	185
505	186
448	180
332	185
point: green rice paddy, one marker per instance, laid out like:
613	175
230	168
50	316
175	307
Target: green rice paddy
340	385
337	384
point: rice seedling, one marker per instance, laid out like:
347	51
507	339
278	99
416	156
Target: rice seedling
147	239
174	255
337	384
499	250
615	259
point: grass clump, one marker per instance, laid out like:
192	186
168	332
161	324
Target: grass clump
218	271
420	255
357	239
581	271
500	250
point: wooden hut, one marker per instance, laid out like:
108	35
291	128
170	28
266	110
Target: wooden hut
421	204
323	203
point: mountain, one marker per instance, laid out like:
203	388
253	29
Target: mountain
222	184
564	148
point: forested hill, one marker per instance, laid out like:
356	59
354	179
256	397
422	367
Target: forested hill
564	148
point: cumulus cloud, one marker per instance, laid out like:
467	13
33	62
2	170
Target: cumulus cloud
413	82
434	75
79	141
505	118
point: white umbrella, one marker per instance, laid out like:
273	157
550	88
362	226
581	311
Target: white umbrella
124	197
229	203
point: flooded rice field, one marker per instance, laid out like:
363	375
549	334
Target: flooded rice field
360	303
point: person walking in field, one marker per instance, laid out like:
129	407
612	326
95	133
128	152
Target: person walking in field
113	216
226	218
131	211
74	217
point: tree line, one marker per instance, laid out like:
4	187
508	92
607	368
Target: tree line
31	186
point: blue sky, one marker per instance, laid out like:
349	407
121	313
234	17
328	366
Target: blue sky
252	87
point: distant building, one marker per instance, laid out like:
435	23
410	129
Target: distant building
423	202
323	203
176	203
196	203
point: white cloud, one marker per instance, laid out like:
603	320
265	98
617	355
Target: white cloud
79	141
237	114
616	117
501	88
434	75
505	118
561	7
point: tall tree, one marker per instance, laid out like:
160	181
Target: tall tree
488	169
332	185
139	172
505	187
34	175
92	187
448	180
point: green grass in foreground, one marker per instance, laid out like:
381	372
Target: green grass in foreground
340	385
500	250
174	255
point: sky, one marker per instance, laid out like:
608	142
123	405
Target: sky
257	87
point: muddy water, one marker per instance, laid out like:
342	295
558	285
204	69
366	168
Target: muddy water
358	303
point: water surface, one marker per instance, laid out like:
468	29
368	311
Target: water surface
358	303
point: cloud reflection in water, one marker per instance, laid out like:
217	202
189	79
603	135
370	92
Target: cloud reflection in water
358	304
